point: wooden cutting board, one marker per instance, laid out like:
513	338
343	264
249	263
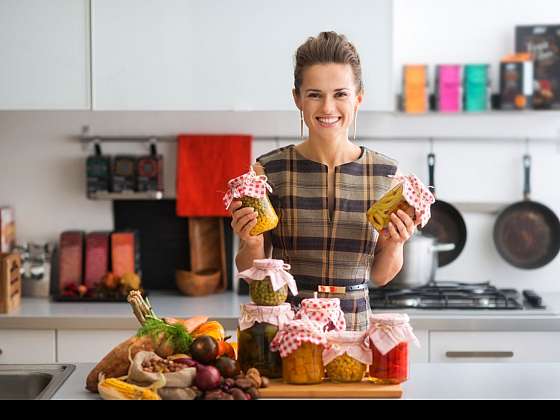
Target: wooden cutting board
278	389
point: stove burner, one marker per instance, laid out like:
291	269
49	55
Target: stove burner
447	295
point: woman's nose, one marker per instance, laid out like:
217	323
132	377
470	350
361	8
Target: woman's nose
327	105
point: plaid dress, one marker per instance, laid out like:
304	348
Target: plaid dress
321	251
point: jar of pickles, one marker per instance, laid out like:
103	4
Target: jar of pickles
409	195
251	190
347	356
390	335
269	282
326	312
301	344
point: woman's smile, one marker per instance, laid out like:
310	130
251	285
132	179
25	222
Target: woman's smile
328	121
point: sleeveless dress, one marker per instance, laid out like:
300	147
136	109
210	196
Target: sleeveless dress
323	251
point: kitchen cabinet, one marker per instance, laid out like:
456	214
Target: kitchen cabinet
487	346
88	346
44	50
224	55
27	346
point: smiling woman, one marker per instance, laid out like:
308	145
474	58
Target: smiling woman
323	187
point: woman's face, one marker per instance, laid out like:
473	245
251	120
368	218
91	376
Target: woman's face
328	99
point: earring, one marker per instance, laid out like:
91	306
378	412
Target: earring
355	124
301	125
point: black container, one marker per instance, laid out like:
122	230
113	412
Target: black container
98	171
150	171
124	174
516	85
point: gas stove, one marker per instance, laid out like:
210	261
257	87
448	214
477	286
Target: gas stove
452	295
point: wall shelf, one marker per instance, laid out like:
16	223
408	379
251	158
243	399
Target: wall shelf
108	196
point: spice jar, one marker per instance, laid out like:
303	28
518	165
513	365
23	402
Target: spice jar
390	335
409	195
269	282
251	189
326	312
347	356
258	325
301	344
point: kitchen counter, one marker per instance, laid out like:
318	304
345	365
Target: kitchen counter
428	381
38	313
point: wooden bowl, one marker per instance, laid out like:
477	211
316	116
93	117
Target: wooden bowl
198	284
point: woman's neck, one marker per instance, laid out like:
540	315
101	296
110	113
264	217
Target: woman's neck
330	152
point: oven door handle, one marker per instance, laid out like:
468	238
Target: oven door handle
480	354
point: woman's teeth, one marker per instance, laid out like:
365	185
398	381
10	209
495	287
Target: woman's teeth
328	122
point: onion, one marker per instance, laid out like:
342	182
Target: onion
207	378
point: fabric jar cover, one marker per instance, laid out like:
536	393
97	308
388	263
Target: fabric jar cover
386	331
293	334
274	315
325	311
353	343
273	269
418	196
247	185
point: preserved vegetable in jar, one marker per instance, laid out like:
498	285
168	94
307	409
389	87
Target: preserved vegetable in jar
390	335
301	344
409	195
251	189
257	328
269	282
325	311
347	356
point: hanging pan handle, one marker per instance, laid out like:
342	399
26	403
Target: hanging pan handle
432	170
527	162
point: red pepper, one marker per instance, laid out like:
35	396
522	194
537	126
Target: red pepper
393	367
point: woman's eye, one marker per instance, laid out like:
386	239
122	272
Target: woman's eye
313	95
341	94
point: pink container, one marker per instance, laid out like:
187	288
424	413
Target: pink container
450	88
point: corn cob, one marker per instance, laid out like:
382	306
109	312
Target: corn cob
115	389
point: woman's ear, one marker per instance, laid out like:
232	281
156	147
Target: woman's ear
359	99
297	99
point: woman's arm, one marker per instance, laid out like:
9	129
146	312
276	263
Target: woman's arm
388	259
249	252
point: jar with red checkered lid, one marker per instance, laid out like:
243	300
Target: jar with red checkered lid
301	344
326	312
251	189
390	335
347	357
269	282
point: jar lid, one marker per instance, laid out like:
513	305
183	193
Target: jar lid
275	270
389	319
274	315
294	333
323	310
418	196
353	343
386	331
270	264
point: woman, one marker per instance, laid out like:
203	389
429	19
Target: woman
323	187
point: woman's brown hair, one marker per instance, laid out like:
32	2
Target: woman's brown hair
327	48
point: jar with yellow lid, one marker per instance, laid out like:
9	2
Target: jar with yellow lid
251	189
347	356
301	344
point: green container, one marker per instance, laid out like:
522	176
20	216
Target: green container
477	88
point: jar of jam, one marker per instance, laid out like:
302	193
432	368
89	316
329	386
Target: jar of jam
269	282
251	190
326	312
258	325
347	356
301	344
390	335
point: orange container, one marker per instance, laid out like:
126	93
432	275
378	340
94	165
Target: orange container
123	253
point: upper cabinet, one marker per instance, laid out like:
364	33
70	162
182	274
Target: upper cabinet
44	55
226	55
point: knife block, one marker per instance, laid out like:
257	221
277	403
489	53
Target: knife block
10	282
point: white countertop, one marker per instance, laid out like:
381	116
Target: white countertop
429	381
38	313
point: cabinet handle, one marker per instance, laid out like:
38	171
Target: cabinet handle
480	354
1	352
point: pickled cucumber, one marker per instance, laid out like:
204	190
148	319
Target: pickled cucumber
263	294
379	215
266	219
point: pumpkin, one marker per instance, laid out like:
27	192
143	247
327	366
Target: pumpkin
211	328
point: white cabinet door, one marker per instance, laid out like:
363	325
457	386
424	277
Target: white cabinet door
512	347
44	51
420	354
226	55
27	346
88	346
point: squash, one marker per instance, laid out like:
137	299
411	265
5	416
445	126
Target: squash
211	328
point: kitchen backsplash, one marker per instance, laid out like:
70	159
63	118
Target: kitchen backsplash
43	169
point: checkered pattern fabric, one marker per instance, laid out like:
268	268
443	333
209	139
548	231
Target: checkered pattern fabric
322	248
293	334
324	311
247	185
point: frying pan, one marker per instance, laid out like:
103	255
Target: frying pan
527	233
446	224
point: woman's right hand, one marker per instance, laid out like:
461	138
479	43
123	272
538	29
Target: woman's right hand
244	220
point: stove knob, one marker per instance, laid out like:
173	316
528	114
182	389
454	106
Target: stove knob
533	298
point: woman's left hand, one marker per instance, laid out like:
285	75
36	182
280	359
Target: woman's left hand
400	229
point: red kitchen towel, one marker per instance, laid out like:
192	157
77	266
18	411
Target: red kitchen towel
205	164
